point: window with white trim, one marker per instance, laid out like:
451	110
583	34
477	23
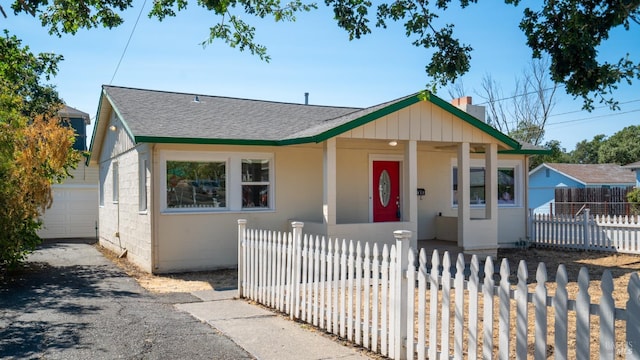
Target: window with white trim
255	183
213	181
196	184
509	184
143	202
115	182
103	176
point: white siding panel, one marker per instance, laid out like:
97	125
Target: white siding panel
426	113
392	126
447	127
73	214
415	121
370	130
381	128
436	125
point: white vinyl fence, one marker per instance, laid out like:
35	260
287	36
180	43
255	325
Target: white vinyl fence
385	301
602	233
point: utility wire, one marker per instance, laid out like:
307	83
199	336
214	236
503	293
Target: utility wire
128	41
515	96
592	117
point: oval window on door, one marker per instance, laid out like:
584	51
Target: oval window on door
384	188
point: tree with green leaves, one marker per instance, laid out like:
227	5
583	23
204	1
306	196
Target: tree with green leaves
586	152
568	31
558	155
35	148
622	147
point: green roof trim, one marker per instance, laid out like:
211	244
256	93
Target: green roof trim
527	152
204	141
375	115
122	121
363	120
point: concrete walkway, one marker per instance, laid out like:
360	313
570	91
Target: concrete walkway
263	333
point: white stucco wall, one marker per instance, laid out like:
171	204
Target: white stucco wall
122	225
206	240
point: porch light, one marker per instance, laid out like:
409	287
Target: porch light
393	143
112	128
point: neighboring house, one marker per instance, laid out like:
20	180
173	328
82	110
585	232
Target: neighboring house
544	179
74	211
178	170
635	167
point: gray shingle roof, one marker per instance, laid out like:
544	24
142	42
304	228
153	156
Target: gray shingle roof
70	112
596	173
150	113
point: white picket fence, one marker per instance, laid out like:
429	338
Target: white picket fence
381	299
601	233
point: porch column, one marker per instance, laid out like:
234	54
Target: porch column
410	199
464	198
491	180
329	183
410	207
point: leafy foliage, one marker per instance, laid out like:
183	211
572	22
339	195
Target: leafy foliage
557	155
633	197
622	147
586	152
568	31
35	149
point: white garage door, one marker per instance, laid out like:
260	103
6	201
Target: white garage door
74	213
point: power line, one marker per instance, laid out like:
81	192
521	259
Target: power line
128	41
595	108
592	117
515	96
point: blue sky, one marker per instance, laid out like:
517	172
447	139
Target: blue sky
310	55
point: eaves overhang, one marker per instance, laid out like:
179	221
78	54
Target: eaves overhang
515	146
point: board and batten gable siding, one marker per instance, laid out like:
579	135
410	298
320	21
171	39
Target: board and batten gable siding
115	142
422	121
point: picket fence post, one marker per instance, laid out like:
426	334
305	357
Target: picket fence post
586	232
530	223
297	268
242	226
401	289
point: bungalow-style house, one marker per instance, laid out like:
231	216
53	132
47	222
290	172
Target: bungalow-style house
544	179
178	170
74	211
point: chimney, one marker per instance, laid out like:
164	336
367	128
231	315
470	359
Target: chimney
306	98
465	104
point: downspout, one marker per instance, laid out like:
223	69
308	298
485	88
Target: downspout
155	248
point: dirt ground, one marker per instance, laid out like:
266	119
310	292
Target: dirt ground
170	283
621	267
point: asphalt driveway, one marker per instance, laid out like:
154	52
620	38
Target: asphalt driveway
72	303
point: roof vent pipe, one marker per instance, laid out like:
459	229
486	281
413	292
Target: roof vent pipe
306	98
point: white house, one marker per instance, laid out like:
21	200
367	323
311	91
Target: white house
178	170
74	211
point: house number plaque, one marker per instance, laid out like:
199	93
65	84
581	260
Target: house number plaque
384	188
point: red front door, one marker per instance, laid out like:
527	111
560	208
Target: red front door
386	191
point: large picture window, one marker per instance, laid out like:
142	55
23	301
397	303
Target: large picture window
507	186
204	181
196	184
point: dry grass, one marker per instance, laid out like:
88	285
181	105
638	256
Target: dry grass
621	267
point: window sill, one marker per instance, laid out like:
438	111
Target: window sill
213	212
